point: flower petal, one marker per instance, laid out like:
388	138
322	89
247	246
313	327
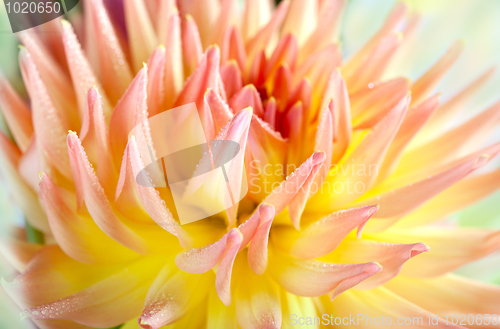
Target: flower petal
112	67
424	85
453	199
231	77
21	193
192	50
16	113
372	303
223	277
49	127
174	70
449	293
78	235
247	96
257	251
107	303
141	34
131	110
171	295
324	235
391	256
257	301
312	278
451	248
81	74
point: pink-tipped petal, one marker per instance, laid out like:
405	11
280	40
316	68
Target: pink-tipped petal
312	278
112	67
78	235
81	73
156	81
141	34
257	251
16	113
424	85
49	127
324	235
192	51
231	77
131	110
248	96
223	277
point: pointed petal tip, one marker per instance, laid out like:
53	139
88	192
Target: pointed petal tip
318	157
371	211
418	249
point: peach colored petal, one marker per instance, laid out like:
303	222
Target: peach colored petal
16	113
81	74
318	68
284	53
294	132
231	77
424	85
373	303
450	294
22	194
205	13
301	19
248	96
221	113
341	116
223	277
56	80
326	29
78	235
454	143
395	17
18	253
312	278
233	47
89	190
227	16
450	248
415	119
256	15
151	199
131	110
107	303
171	295
295	184
324	235
453	199
156	81
192	50
282	86
390	256
94	128
112	67
368	154
396	203
372	105
261	38
174	67
257	251
270	112
449	109
323	142
49	127
204	77
141	34
373	66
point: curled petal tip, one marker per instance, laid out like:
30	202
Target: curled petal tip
318	157
418	249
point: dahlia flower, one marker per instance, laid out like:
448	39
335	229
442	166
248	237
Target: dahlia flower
349	175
